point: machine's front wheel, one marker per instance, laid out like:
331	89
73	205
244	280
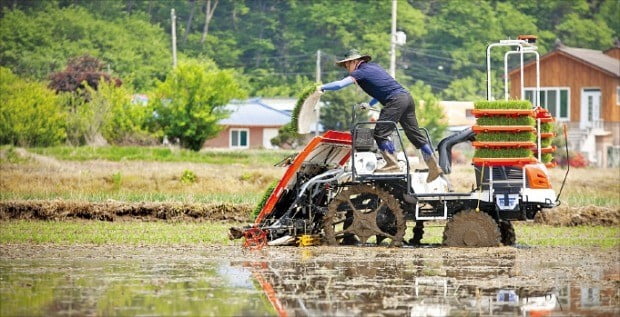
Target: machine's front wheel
360	212
470	228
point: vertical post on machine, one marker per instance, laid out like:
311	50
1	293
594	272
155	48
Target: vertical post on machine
527	50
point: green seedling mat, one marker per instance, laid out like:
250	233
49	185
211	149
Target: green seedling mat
503	153
503	104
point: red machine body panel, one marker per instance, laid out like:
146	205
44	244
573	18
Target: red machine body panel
331	147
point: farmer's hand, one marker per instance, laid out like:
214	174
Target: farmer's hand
363	106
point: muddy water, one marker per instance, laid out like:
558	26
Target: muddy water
317	281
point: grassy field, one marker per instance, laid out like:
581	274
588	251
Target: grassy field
146	176
162	154
187	233
530	234
584	186
102	232
137	174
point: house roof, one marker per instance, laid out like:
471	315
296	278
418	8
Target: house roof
280	103
253	112
594	58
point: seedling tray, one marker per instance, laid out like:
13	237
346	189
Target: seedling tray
503	161
480	144
503	128
502	112
550	149
545	135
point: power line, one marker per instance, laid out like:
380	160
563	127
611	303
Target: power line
449	59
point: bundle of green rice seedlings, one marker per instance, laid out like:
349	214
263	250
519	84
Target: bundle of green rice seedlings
545	142
263	200
505	120
503	153
546	157
305	93
503	104
506	137
547	127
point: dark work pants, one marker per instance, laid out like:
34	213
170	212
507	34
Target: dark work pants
400	108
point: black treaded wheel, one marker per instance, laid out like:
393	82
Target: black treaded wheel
507	231
363	211
470	228
418	233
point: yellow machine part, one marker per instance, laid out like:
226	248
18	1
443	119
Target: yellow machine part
307	240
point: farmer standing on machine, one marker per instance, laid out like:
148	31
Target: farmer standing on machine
398	106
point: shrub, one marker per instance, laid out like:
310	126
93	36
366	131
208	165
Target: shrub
188	177
575	159
81	72
104	115
30	114
191	101
124	120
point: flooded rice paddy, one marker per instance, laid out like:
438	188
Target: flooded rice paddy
39	280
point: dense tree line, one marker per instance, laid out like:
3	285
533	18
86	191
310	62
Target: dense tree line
272	45
274	42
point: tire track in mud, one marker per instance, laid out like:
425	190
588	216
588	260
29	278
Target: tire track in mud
118	211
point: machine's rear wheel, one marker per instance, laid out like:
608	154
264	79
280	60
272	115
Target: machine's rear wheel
362	211
508	233
470	228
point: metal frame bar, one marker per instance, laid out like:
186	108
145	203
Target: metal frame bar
528	49
400	141
444	217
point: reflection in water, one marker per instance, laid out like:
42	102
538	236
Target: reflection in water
166	288
422	287
300	282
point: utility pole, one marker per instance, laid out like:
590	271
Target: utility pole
317	107
318	66
393	42
173	30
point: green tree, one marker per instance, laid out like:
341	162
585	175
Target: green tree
608	12
287	137
274	42
190	102
35	43
30	114
587	33
123	121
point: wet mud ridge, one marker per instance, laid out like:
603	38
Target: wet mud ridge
148	211
577	216
115	211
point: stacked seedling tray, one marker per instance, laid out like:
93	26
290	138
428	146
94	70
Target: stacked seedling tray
505	133
547	126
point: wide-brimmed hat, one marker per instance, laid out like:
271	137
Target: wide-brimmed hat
353	54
